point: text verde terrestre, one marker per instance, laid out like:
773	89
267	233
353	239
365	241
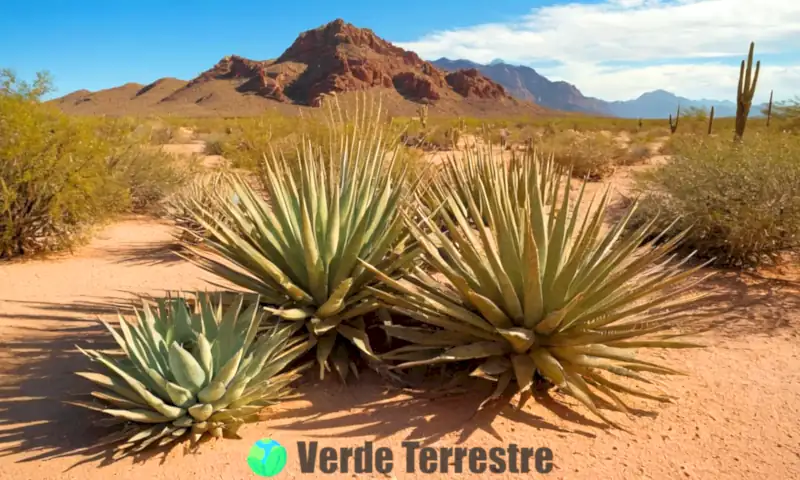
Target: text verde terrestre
419	459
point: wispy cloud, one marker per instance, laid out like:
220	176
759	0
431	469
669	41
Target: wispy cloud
618	49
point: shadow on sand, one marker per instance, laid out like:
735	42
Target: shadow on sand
39	363
38	377
148	254
370	409
38	368
742	304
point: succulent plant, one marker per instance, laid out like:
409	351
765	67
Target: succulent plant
300	248
201	190
673	125
711	120
464	178
539	291
745	91
191	372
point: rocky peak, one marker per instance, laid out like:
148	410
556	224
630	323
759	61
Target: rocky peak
340	36
340	57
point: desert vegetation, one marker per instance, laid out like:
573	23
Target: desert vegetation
340	245
59	175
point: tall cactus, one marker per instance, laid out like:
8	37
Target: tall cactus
769	108
745	92
710	120
674	126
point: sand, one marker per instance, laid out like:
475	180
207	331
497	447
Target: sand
736	415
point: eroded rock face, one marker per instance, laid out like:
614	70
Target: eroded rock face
232	66
339	57
416	87
471	83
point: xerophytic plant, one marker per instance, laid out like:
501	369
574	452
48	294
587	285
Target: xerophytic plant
541	292
478	164
192	372
298	243
201	190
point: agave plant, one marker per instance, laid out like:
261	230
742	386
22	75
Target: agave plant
202	190
463	178
298	245
539	292
197	373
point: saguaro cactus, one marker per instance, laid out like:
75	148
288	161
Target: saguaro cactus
745	92
674	126
710	120
769	108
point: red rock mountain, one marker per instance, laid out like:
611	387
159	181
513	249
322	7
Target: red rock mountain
334	58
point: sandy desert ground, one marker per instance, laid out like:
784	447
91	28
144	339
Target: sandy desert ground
736	416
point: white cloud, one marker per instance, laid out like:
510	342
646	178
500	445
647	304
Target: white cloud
583	38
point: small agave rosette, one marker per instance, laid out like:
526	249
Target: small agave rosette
192	372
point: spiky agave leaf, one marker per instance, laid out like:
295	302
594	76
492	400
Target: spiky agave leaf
201	190
463	179
540	289
299	249
192	372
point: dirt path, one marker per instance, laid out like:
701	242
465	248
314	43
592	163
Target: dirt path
736	415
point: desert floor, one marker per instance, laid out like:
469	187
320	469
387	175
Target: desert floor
736	416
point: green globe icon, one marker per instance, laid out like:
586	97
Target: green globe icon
267	458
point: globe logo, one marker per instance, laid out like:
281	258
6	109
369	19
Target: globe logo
267	458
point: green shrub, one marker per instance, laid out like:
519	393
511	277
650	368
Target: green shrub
590	155
53	178
147	175
743	200
59	174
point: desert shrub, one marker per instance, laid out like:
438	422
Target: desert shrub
786	115
743	200
637	153
541	294
53	178
59	174
298	244
144	172
216	146
250	139
655	133
668	147
590	155
160	135
191	373
147	175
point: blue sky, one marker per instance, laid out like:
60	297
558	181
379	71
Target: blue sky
614	49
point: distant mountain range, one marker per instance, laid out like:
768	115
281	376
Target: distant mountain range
337	57
527	84
341	58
